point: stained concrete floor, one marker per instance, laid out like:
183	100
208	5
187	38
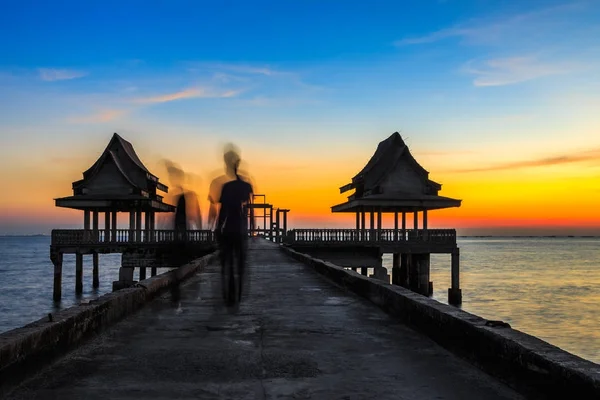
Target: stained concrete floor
296	336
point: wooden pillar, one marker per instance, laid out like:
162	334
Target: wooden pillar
152	227
78	273
396	267
95	226
142	273
131	226
416	220
403	225
86	219
357	235
363	230
285	221
395	226
277	227
404	282
271	223
153	271
364	271
57	260
96	279
146	226
372	225
454	292
425	233
107	226
379	224
138	226
114	227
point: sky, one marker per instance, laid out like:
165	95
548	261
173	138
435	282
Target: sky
498	100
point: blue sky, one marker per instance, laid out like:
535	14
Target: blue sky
488	81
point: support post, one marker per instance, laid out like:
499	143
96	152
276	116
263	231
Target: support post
142	273
379	224
395	226
285	222
78	273
372	225
277	227
454	292
357	226
86	219
138	226
114	227
403	226
107	226
153	271
95	226
363	231
57	259
96	279
271	223
425	234
396	267
404	281
146	226
152	226
131	225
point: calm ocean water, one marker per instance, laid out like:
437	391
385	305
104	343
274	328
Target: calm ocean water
547	287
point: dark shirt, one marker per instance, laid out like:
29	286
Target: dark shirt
232	215
180	214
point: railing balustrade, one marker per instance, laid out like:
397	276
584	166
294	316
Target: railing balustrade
123	236
442	236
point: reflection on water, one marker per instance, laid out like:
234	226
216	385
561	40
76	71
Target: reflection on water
546	287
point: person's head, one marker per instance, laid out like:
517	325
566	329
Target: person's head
176	175
232	158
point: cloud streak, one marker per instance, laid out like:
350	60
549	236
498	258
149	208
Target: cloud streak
53	74
188	94
511	70
485	31
583	156
99	117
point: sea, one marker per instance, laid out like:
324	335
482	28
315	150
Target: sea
548	287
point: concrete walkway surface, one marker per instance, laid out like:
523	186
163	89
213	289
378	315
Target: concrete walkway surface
295	336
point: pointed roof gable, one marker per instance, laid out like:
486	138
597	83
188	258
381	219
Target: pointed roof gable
387	183
120	149
387	155
118	174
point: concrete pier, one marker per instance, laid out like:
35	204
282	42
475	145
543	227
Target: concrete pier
295	336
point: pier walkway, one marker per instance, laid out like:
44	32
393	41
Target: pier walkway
295	336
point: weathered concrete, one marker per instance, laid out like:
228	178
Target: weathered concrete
295	336
525	362
23	348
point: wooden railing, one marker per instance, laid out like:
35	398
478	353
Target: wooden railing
123	236
299	236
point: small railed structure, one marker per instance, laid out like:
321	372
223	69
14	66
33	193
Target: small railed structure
391	182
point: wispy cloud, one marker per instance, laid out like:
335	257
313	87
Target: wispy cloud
489	30
188	94
511	70
582	156
53	74
98	117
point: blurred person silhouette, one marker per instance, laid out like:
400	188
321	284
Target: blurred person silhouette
187	208
233	193
187	216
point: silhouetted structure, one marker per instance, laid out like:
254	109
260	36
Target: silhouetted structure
117	182
391	182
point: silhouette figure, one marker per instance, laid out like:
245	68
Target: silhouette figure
234	194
